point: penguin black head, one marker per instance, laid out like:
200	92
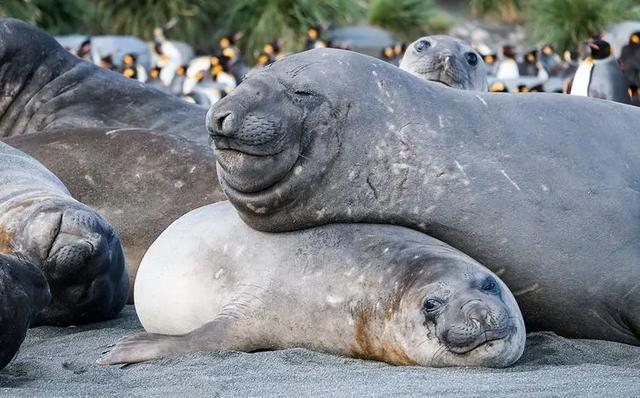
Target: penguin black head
489	59
130	73
548	50
522	88
225	41
498	87
599	49
84	49
399	49
181	70
154	73
129	59
313	33
263	59
509	51
272	48
388	53
107	61
531	57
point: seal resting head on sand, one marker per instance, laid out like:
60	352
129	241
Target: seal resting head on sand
77	250
380	292
23	293
447	60
553	213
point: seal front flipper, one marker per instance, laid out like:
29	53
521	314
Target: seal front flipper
144	346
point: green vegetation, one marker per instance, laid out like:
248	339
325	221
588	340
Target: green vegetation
408	19
262	21
508	10
564	23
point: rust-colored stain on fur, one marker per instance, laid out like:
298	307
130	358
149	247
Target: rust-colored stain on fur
371	347
5	242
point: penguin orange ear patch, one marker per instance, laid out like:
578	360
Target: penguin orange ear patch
635	38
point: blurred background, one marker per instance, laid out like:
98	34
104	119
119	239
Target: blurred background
185	45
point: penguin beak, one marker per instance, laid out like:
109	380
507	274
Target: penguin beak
594	46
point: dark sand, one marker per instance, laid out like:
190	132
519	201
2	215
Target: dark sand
60	362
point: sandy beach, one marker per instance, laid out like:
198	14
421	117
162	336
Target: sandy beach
60	362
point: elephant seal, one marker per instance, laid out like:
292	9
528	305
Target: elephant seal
76	249
447	60
23	293
370	291
139	180
551	206
45	88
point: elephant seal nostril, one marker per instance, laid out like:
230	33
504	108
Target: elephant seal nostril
223	123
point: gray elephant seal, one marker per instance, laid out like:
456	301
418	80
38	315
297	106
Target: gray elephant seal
23	293
139	180
370	291
551	206
447	60
45	88
76	249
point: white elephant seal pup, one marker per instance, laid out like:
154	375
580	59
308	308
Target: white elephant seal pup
380	292
447	60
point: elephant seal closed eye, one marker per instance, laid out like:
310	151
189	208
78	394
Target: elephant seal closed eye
377	292
78	252
551	206
447	60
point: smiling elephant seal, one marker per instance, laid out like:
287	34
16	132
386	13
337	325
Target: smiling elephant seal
369	291
23	293
447	60
76	249
555	215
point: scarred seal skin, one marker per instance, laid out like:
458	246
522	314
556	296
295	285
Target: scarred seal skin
447	60
78	252
369	291
23	293
139	180
552	206
44	88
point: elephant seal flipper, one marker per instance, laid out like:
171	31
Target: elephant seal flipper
376	292
77	250
555	213
24	292
447	60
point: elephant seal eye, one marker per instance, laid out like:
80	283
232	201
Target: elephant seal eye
422	45
472	59
490	285
431	305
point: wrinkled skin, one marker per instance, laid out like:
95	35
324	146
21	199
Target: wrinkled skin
370	291
45	87
550	206
154	176
78	252
447	60
23	293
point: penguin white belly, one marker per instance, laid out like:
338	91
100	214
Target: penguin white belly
581	79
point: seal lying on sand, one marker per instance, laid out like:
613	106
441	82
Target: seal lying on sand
45	87
23	293
139	180
371	291
447	60
554	205
76	249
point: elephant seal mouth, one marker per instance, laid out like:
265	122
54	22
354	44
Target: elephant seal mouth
484	339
